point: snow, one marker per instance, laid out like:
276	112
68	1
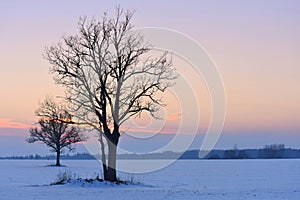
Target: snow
185	179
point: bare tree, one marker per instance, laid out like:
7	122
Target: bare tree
110	77
55	130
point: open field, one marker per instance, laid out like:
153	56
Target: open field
185	179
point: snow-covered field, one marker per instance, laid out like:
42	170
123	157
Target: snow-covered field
185	179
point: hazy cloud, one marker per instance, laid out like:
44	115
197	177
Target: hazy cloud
8	123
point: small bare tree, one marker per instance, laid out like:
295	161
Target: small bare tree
55	130
109	77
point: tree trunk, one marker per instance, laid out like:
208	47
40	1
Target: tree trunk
112	158
109	170
104	167
103	158
57	158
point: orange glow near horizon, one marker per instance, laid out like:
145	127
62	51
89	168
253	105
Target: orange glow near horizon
9	123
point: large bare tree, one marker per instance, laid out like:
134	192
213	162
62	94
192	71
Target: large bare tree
55	128
110	77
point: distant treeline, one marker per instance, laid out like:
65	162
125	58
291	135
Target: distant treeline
274	151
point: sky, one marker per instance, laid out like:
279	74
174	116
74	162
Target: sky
255	45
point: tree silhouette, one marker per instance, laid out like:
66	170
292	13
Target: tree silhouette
109	77
54	128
